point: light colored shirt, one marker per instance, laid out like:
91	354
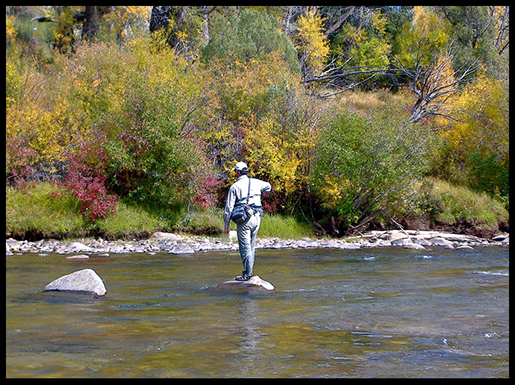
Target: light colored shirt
238	192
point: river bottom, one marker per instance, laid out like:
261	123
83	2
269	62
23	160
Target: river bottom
357	313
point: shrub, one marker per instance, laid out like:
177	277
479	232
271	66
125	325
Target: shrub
365	165
85	178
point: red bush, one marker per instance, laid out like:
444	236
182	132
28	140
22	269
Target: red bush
85	178
206	193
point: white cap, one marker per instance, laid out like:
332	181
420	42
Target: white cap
240	166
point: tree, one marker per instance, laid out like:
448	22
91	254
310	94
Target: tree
426	58
312	44
474	24
478	139
90	24
239	36
359	47
186	28
435	84
117	20
480	32
501	18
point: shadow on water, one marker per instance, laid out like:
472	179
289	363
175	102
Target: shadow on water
334	313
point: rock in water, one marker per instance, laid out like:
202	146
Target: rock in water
85	280
254	281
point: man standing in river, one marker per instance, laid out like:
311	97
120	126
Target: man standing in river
244	188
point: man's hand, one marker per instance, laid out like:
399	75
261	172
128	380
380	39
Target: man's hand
226	230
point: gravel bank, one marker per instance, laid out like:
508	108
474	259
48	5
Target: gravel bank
185	244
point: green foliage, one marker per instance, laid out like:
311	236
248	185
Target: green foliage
245	36
36	207
359	47
423	38
150	142
364	166
451	204
162	117
487	173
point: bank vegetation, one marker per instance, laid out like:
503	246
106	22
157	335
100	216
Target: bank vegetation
125	120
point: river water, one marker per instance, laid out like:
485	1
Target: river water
334	313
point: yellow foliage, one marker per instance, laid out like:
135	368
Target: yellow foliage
123	17
10	31
268	152
424	37
331	189
312	41
482	118
379	23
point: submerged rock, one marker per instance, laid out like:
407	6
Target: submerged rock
254	281
85	280
80	256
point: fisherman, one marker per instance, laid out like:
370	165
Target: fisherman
246	191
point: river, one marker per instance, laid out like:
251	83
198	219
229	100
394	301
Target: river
334	313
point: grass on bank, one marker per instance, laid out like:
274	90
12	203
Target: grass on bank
34	208
455	203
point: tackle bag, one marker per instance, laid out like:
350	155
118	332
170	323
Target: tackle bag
241	212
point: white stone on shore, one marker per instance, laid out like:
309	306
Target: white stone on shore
442	242
394	235
160	236
414	246
188	244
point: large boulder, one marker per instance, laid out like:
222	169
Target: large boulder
254	281
84	281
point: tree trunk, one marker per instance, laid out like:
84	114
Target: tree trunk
90	25
160	17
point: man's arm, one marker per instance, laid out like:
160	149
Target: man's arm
229	206
265	187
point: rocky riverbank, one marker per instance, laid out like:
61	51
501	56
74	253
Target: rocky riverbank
178	244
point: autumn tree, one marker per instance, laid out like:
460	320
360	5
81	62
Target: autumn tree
361	40
360	53
476	142
186	28
426	58
312	44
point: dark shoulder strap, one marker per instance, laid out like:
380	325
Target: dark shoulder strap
248	193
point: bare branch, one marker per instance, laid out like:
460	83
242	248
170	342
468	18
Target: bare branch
340	21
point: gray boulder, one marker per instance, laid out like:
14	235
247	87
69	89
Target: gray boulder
85	280
442	242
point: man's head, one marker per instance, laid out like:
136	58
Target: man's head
241	168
